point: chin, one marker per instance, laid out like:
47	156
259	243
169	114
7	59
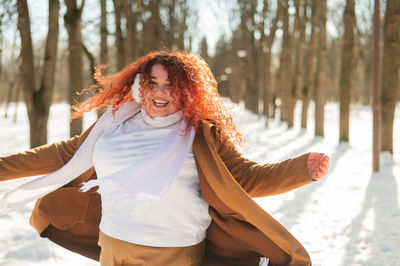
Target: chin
157	114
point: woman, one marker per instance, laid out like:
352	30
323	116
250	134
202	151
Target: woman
174	188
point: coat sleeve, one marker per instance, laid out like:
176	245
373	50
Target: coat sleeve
41	160
260	180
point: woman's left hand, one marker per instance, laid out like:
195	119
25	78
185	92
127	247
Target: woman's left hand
317	164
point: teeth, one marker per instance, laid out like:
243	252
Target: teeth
160	102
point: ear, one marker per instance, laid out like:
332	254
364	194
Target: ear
135	88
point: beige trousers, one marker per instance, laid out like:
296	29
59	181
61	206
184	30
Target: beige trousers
115	252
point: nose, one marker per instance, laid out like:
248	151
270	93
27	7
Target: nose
160	89
157	88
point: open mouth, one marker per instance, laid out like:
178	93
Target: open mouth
160	103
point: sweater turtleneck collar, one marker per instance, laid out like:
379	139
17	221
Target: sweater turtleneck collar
161	121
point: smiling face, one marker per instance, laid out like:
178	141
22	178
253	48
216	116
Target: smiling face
159	102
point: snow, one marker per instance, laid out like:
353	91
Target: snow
351	217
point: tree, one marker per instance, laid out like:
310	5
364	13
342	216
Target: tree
365	56
132	43
1	42
153	28
103	33
248	52
72	21
177	26
237	80
182	26
268	46
204	49
285	69
172	22
103	44
261	53
362	79
320	92
346	70
119	37
253	47
306	91
298	36
38	99
390	68
222	66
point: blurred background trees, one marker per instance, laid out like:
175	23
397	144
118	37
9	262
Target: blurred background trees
270	54
38	97
390	71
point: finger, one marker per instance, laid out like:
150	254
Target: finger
323	167
317	176
318	156
325	161
325	158
323	171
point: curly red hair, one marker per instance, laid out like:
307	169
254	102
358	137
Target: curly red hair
191	80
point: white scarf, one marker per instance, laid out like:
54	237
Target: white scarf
154	175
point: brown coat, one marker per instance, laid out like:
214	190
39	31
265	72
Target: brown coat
241	231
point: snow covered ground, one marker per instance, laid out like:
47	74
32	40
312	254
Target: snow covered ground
351	217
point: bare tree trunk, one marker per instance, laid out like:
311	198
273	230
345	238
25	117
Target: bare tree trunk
173	21
235	85
298	37
251	95
251	47
334	48
91	60
140	35
38	99
72	21
320	92
119	37
285	69
308	88
261	62
153	27
294	67
390	68
9	97
17	100
13	87
103	44
131	36
27	67
175	33
346	70
269	41
103	33
183	26
1	43
366	58
237	78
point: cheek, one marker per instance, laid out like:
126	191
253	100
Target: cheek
175	106
147	95
175	102
176	97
